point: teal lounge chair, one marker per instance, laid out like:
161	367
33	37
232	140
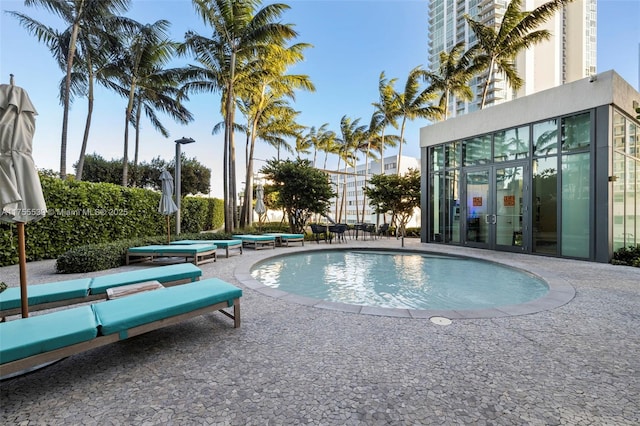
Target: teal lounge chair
69	292
283	239
196	253
226	244
257	242
34	341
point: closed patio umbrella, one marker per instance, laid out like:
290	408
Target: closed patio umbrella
167	206
260	207
21	198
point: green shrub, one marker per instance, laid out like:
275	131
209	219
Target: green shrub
3	286
97	257
629	256
83	213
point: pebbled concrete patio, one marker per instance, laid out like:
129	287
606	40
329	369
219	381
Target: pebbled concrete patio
293	363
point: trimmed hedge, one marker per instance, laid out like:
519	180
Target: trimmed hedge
83	213
97	257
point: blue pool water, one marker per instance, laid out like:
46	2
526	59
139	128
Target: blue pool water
399	279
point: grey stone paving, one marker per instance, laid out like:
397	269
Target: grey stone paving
291	363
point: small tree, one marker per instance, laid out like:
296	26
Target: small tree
301	190
399	195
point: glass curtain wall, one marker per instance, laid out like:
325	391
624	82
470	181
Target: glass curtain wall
560	200
626	186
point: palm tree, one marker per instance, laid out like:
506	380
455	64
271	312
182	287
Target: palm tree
158	90
264	89
82	17
455	71
353	134
412	104
388	108
498	46
140	60
373	142
239	33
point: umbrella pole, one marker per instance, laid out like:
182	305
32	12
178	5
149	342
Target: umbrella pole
23	270
168	231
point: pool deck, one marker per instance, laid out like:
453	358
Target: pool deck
569	361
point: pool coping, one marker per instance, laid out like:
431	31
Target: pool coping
560	291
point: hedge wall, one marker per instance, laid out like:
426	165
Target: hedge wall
80	213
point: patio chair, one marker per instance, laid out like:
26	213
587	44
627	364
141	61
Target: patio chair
318	230
339	229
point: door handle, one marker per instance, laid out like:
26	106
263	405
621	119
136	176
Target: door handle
490	219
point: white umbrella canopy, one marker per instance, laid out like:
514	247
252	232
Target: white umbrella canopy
167	206
21	197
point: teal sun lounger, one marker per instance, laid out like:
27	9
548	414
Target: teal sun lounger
195	253
37	340
283	239
69	292
257	241
225	244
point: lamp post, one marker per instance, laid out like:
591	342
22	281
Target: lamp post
179	142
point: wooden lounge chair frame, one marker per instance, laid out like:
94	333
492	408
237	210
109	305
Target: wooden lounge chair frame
283	240
226	244
196	258
91	297
256	244
23	364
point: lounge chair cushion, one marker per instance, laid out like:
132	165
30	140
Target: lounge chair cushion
117	316
219	243
256	237
38	334
286	236
162	274
45	293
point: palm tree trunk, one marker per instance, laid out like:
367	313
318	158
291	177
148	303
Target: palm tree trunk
87	126
67	90
486	84
137	147
404	121
125	157
366	174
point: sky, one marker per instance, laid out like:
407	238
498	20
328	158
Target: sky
353	42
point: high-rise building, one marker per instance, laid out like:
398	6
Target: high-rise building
348	206
569	55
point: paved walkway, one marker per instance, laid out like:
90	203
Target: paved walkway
291	363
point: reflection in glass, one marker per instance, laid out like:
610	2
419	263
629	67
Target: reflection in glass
545	202
435	210
452	205
509	189
511	144
545	137
476	150
437	158
618	200
576	132
575	205
477	185
452	154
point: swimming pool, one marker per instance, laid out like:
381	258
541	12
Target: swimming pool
392	279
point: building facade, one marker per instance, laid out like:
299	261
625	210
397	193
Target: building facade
555	173
569	55
348	206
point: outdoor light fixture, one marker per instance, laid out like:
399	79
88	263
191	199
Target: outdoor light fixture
179	142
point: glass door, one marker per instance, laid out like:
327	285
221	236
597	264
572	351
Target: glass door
495	210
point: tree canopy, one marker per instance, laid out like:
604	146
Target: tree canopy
301	190
397	194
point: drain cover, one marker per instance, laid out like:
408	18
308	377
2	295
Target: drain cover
440	320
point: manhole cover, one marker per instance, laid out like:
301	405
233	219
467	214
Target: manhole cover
440	320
